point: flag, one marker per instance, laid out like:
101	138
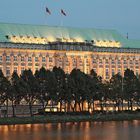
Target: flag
62	12
48	11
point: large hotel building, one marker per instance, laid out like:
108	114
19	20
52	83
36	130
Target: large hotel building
33	46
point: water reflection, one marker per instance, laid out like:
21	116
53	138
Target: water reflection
126	130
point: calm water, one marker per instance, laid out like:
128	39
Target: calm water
73	131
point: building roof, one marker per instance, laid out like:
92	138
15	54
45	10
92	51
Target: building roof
131	43
55	32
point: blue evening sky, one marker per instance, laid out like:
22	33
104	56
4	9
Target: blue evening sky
122	15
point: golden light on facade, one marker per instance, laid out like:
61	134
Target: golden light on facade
28	39
78	39
51	39
42	40
105	43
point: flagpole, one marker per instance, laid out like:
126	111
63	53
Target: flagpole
63	14
45	11
45	21
61	25
61	22
48	12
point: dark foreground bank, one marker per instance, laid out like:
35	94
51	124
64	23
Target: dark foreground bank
68	118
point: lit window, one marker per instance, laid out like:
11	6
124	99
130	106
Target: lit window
119	62
43	65
137	73
7	58
107	77
106	61
74	60
0	58
15	58
29	59
60	60
113	72
36	64
94	70
22	58
131	62
36	59
86	60
36	69
29	64
7	71
67	63
113	62
136	62
22	64
119	71
43	59
124	62
94	61
100	61
87	71
50	59
100	66
22	70
125	67
15	69
107	72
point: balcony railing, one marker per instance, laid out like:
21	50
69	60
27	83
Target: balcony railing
69	47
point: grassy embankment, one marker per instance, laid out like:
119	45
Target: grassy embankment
67	118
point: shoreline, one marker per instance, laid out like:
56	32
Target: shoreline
68	118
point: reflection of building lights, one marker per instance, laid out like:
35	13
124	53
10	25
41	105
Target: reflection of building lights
90	110
51	109
28	125
47	109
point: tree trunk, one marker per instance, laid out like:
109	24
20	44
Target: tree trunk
6	108
60	106
13	109
101	105
30	108
117	104
43	107
79	107
65	107
52	106
75	106
122	104
68	106
89	105
131	105
128	104
93	106
82	106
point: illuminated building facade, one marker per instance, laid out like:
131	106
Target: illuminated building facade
32	46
